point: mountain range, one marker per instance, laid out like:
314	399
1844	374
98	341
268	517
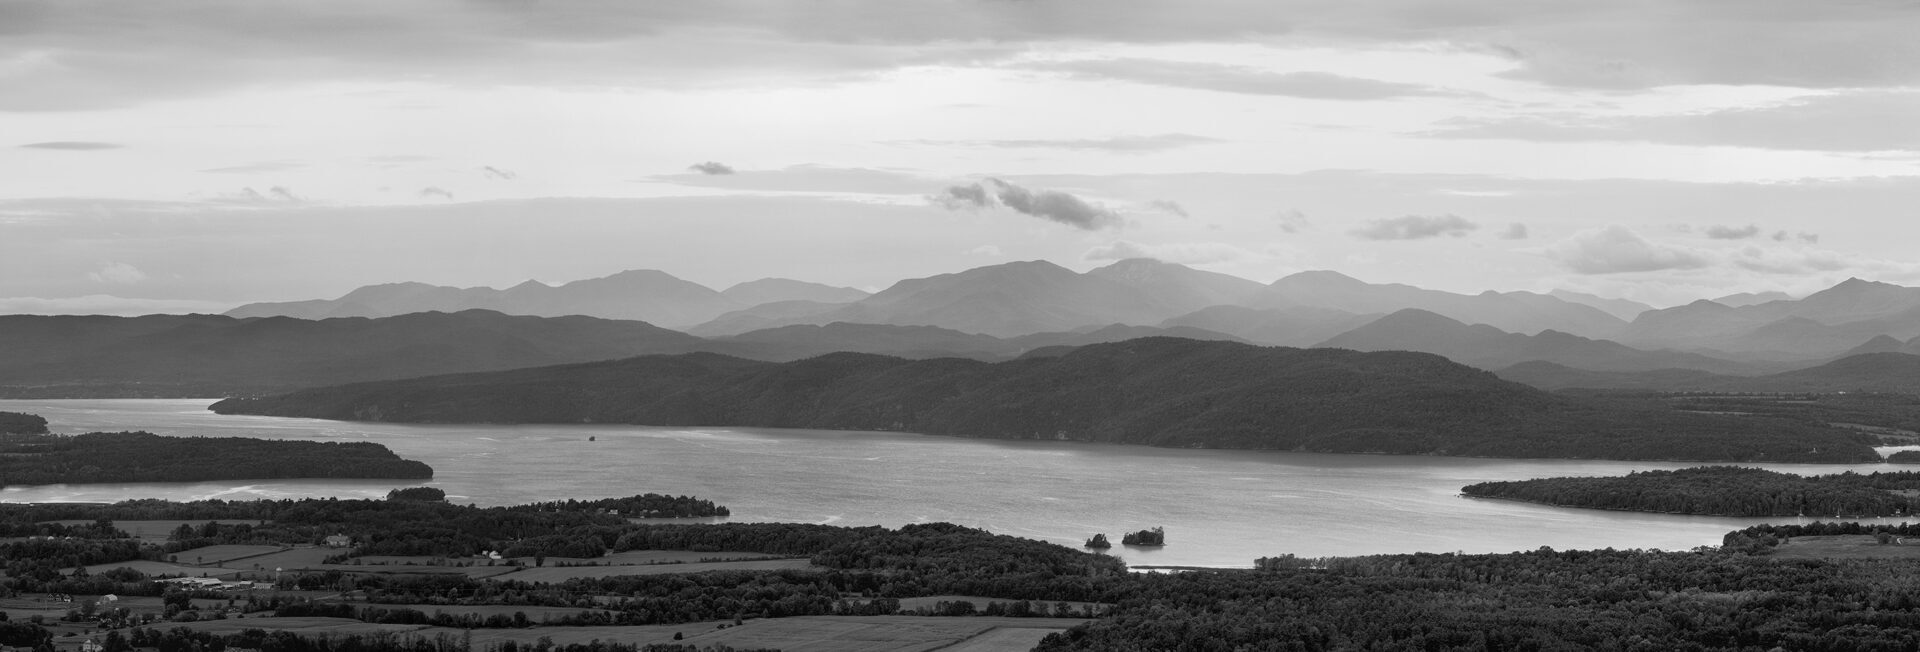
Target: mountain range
997	312
214	355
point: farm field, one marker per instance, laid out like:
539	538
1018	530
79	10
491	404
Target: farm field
534	613
305	626
152	568
1843	546
218	555
649	557
806	633
884	633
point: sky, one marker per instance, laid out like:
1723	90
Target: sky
194	155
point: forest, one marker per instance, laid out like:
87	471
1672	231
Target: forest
1158	391
1721	491
145	457
16	423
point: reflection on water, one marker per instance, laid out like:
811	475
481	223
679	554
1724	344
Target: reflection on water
1219	508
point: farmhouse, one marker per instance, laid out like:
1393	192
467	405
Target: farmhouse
339	541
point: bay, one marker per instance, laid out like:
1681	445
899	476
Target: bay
1219	508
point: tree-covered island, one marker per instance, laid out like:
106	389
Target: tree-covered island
29	459
1722	491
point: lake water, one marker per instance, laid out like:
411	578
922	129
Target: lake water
1219	508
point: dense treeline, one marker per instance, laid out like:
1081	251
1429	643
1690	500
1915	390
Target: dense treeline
378	527
16	423
1721	491
642	506
1158	391
183	639
145	457
1542	600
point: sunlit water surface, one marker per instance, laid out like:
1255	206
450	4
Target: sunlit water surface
1219	508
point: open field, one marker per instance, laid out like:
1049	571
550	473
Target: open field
218	555
152	568
1843	546
649	557
534	613
807	633
1003	639
882	633
552	574
289	558
305	626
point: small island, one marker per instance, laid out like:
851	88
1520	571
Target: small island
1722	491
1099	541
1153	537
31	459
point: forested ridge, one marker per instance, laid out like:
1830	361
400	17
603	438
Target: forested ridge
1721	491
1156	391
146	457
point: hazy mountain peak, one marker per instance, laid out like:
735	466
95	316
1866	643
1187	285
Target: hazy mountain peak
1323	277
771	290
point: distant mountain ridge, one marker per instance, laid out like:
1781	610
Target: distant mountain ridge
651	296
1004	300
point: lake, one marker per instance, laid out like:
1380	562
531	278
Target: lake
1219	508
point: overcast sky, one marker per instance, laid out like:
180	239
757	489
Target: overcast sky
194	155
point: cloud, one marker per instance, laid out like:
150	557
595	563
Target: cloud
1774	261
70	55
1845	121
1292	220
984	250
1718	232
1415	227
1056	206
273	195
1051	205
1803	236
807	178
1168	206
72	145
105	304
1238	79
117	273
1184	253
263	166
970	196
497	173
1515	231
1116	144
436	191
711	167
1617	249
